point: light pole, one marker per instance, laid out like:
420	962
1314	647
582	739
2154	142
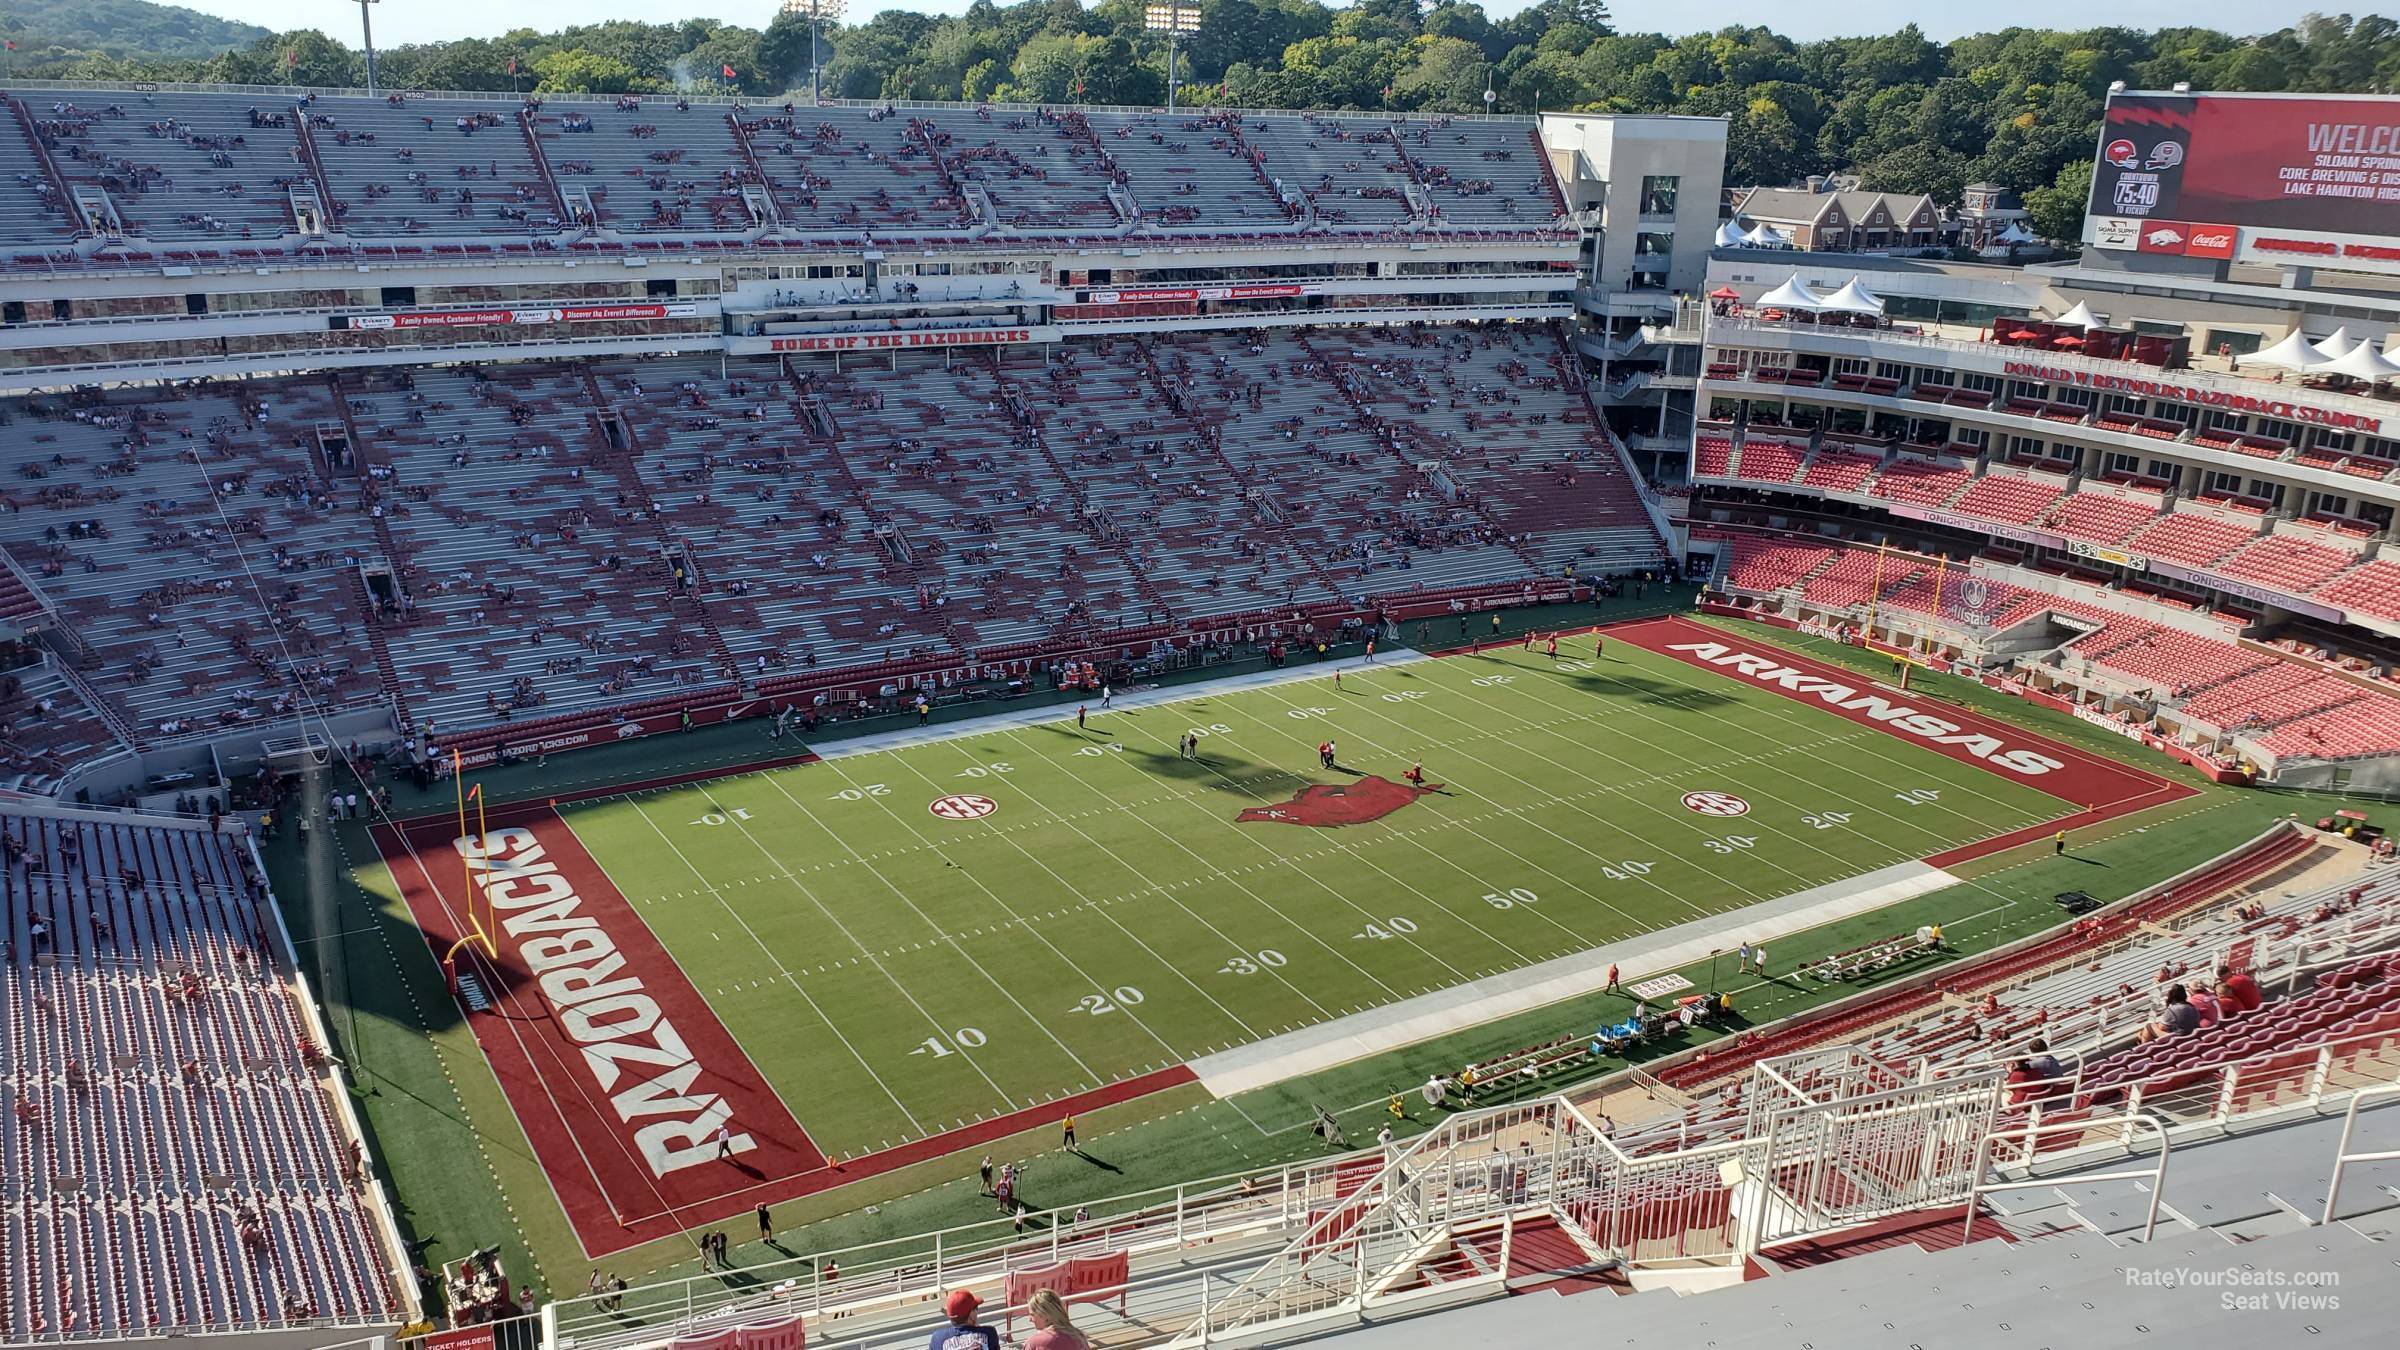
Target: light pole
1174	20
366	32
818	13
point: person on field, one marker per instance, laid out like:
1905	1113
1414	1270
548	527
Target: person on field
1551	647
986	1170
1068	1129
963	1331
1079	717
1415	775
766	1224
2058	844
1611	986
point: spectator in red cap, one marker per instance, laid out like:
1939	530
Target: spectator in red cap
964	1332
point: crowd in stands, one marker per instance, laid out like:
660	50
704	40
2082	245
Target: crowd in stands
510	541
2326	560
2281	701
214	168
170	1157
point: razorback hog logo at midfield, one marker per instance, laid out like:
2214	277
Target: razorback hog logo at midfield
1370	798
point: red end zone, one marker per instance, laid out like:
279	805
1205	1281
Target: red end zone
615	1065
2099	787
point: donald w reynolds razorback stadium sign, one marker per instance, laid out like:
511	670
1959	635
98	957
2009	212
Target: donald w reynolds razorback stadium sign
2194	394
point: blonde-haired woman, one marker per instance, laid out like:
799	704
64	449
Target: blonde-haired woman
1051	1329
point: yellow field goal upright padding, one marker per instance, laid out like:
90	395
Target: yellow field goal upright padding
477	931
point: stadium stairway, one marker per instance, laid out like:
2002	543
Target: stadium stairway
1212	439
683	600
2061	1260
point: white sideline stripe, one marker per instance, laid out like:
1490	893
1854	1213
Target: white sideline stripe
1157	696
1381	1030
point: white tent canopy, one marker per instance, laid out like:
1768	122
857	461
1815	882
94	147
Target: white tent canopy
1766	236
2337	345
2293	353
2361	362
1855	298
2079	317
2016	233
1729	234
1792	294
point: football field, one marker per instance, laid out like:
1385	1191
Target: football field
883	956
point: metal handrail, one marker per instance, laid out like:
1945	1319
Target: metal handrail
2156	1176
2343	1157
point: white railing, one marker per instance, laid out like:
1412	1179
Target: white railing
2090	365
2031	1132
2343	1157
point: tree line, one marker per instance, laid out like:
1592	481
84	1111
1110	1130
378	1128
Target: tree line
2020	107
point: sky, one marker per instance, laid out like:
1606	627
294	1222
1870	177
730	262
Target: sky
402	21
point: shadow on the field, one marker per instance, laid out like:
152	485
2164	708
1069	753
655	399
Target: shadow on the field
1644	689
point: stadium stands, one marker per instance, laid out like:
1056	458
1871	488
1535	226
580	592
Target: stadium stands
247	168
169	1154
1921	482
2018	499
569	537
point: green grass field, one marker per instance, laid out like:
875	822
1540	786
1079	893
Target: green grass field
837	939
897	974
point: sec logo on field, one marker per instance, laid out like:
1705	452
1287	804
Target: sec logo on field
1716	804
964	806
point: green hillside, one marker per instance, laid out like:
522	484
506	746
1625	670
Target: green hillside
120	28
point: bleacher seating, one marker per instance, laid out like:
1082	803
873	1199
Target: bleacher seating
1920	482
1510	429
1840	471
570	537
2100	516
439	168
179	166
2372	588
1765	460
1713	456
170	1158
1771	565
133	506
1859	576
2293	563
2019	499
2191	538
215	168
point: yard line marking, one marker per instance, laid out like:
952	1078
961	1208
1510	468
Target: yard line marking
909	823
1372	710
980	969
786	973
1876	748
1167	891
844	929
1352	851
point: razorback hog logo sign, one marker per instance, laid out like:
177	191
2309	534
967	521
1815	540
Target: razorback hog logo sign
1370	798
642	1065
1898	715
